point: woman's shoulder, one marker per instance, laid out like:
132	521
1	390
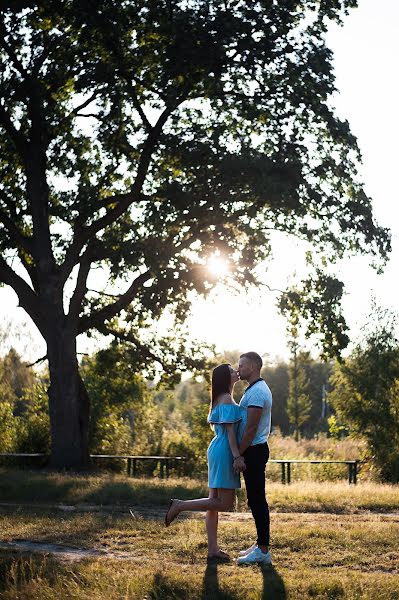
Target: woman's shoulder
224	399
225	412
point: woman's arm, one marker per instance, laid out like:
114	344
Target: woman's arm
232	439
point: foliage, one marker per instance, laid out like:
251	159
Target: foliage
24	422
366	392
15	375
7	427
124	418
277	379
33	424
180	443
335	428
298	403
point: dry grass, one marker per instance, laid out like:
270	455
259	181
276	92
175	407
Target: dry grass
315	556
107	489
345	551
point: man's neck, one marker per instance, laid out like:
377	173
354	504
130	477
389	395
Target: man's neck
253	378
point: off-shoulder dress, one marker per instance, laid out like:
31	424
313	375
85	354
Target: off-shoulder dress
220	457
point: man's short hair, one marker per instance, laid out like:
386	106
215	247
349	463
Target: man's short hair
254	357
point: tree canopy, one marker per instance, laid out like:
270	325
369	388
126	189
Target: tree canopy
141	136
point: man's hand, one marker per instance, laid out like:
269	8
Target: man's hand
239	464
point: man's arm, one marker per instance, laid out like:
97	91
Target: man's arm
254	415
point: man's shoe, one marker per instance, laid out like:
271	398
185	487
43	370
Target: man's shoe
248	550
256	556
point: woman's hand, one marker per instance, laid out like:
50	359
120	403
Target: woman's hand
239	464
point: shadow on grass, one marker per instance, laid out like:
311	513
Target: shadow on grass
49	486
273	585
163	588
143	492
211	589
21	486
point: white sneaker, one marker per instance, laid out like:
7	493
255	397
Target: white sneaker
248	550
255	556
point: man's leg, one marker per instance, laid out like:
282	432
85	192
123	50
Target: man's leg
256	458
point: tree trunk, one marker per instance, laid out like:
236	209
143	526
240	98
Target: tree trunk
68	402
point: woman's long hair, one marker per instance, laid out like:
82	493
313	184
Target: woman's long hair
221	381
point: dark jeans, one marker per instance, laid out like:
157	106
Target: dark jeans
256	458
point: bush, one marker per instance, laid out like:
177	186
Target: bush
7	427
181	444
33	425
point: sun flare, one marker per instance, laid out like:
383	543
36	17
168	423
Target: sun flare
218	266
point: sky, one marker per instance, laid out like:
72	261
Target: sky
365	50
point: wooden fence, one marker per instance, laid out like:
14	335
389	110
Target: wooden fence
165	463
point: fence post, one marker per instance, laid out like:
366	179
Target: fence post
134	467
161	465
355	472
288	472
283	472
129	467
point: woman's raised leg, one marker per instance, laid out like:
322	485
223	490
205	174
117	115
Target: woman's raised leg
224	501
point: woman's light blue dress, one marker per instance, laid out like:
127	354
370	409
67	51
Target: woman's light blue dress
220	457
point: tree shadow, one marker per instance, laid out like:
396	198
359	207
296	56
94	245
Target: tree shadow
273	584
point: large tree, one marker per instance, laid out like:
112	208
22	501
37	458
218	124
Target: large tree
142	136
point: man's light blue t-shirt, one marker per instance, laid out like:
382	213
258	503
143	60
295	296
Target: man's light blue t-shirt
258	394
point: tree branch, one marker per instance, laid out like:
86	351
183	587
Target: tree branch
80	288
27	297
84	104
19	239
103	293
128	337
14	58
122	201
39	360
90	115
97	318
138	106
13	132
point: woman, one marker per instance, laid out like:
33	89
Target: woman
224	416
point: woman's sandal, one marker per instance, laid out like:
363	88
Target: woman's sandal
169	521
220	557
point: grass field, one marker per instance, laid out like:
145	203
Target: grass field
349	550
107	489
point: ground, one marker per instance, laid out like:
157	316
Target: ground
336	548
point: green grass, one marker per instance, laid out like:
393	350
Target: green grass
315	556
20	486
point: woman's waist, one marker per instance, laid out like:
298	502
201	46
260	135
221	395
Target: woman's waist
219	440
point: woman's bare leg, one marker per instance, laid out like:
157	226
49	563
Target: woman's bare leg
223	502
211	520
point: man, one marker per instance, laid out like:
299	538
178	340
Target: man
254	454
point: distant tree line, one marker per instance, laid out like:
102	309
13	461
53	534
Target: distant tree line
130	414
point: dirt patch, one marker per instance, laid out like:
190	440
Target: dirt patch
144	512
66	553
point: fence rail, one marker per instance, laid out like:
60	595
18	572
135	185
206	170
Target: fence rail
166	462
353	467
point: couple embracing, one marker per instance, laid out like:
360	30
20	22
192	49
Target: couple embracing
239	446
